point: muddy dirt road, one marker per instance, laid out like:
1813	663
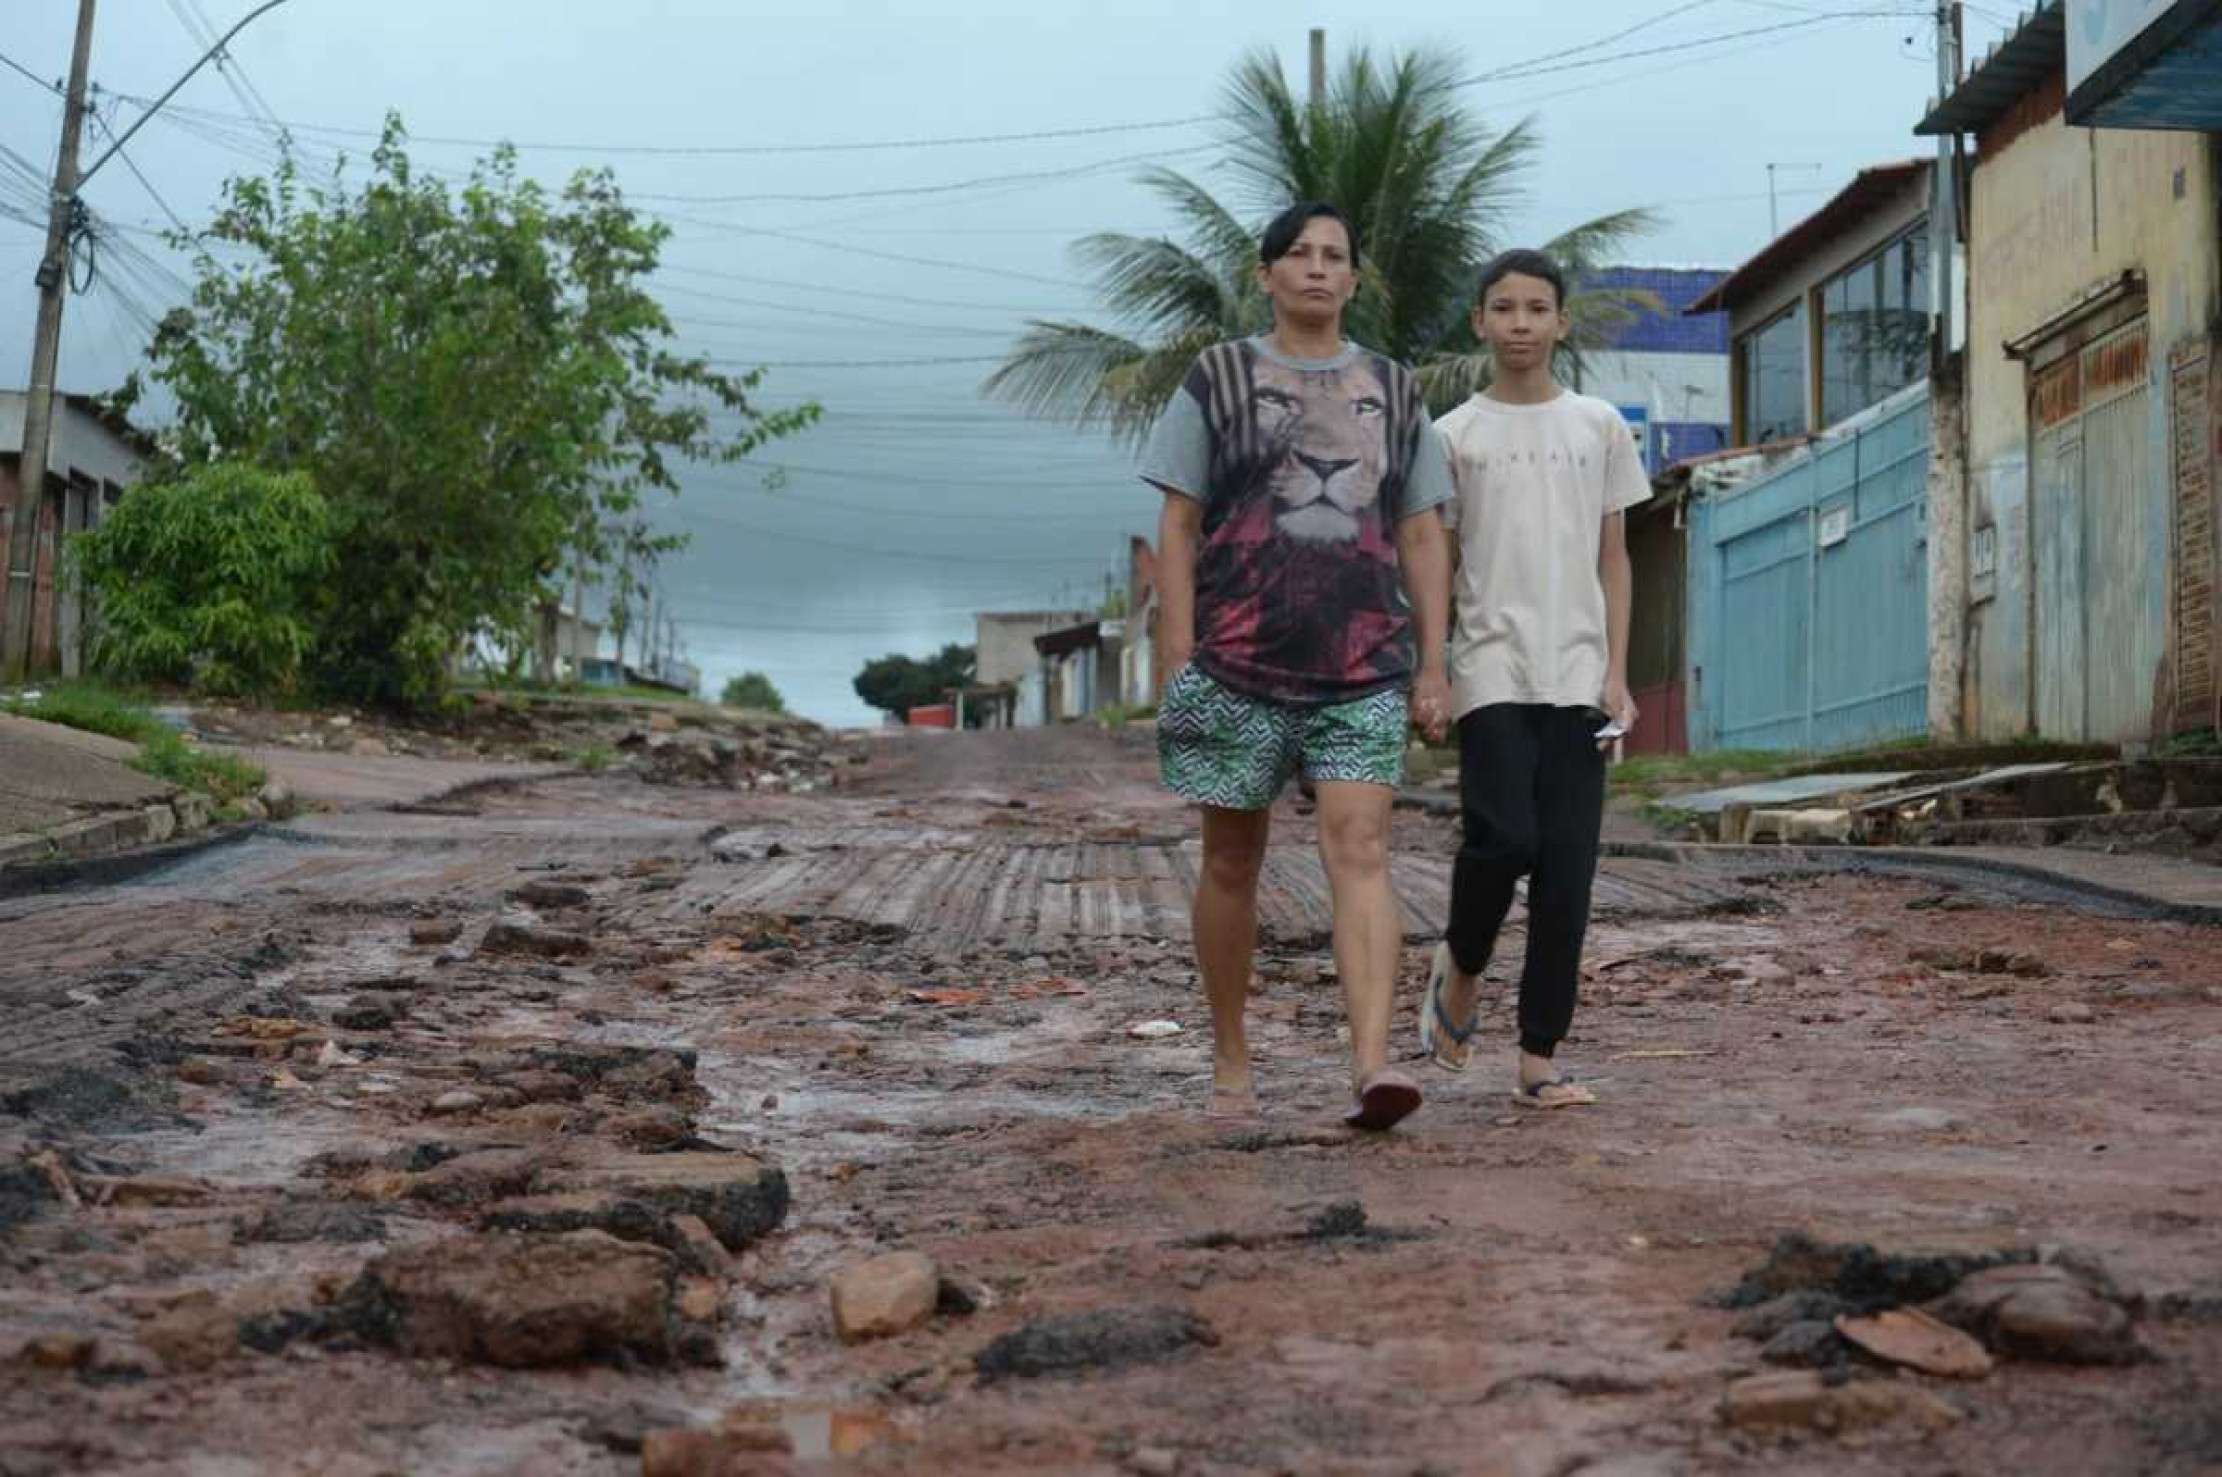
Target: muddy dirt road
529	1136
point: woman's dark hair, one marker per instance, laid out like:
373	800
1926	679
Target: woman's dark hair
1289	224
1528	264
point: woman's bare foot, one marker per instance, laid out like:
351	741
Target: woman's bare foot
1233	1094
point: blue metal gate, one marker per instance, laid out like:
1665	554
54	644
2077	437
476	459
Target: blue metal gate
1809	595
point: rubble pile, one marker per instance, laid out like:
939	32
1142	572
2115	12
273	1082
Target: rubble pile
674	743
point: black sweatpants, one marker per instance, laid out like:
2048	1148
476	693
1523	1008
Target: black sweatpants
1531	786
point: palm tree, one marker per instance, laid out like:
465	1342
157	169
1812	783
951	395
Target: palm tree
1429	187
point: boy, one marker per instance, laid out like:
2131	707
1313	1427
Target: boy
1296	469
1539	667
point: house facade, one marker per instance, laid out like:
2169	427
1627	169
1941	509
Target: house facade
2087	441
93	458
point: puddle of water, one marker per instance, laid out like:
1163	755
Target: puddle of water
818	1432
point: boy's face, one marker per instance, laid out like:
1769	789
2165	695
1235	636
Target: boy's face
1521	320
1314	278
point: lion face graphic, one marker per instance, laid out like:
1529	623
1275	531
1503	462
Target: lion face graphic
1325	435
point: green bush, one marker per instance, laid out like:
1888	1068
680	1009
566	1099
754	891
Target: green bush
210	578
753	690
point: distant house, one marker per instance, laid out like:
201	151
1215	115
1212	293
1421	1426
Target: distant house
1141	652
1004	660
93	457
1666	369
1079	668
1833	315
1806	606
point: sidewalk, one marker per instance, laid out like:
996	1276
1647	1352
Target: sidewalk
65	793
321	779
2156	886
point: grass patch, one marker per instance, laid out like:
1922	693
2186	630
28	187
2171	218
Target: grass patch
594	758
1651	772
2206	743
163	754
1671	820
167	757
94	707
1119	716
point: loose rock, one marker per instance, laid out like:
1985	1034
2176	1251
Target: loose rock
717	1451
532	942
1107	1340
525	1301
738	1197
885	1295
1804	1399
2042	1312
1806	1344
552	895
1911	1337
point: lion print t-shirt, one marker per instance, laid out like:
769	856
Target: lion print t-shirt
1304	468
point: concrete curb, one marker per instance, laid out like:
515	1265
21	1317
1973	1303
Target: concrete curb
1901	861
107	869
184	812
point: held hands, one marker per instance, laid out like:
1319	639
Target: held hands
1431	703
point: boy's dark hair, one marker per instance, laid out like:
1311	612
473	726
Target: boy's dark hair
1289	224
1528	264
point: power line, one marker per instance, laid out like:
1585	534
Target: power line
908	299
1529	69
947	187
1000	273
750	150
145	183
780	535
919	363
28	75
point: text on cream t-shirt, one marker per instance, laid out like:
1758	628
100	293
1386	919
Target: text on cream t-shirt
1534	486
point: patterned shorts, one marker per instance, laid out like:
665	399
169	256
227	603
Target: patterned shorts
1219	747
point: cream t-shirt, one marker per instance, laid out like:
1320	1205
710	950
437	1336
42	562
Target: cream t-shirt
1535	484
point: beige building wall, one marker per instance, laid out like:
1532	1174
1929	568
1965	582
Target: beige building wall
2055	214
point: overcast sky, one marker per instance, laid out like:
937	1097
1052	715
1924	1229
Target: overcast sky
916	503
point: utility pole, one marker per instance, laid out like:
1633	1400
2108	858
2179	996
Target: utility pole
1319	68
64	221
46	345
1944	204
1947	492
1774	211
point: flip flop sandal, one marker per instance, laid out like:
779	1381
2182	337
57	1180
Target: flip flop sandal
1386	1099
1435	1022
1570	1095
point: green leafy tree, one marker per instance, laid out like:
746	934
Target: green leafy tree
210	575
753	690
1429	186
896	683
477	380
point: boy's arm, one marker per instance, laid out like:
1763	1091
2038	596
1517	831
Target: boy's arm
1179	530
1424	557
1618	577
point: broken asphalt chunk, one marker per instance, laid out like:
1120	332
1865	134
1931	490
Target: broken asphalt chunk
1111	1339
